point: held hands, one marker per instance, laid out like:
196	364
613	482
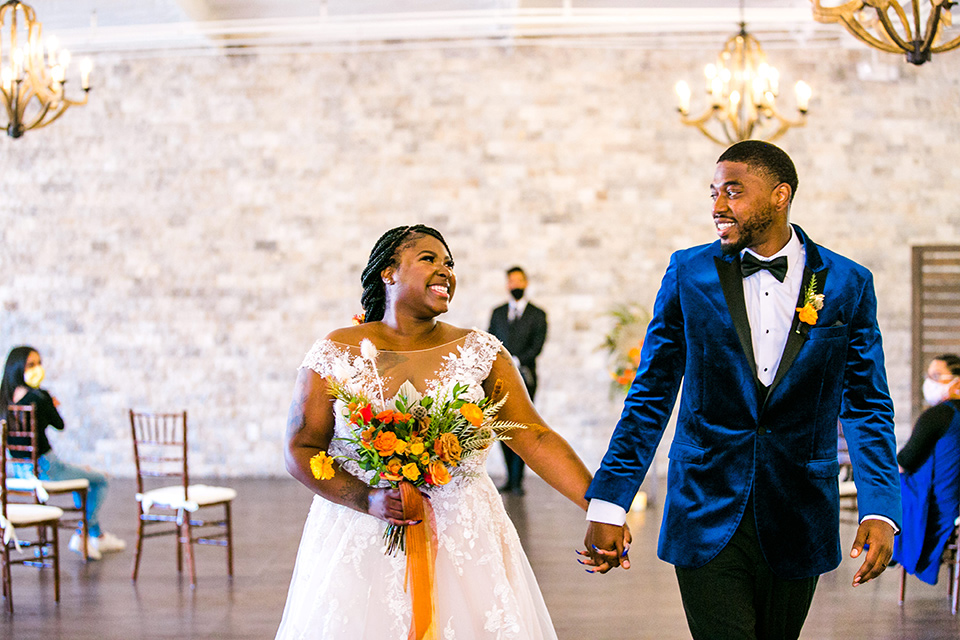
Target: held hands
876	536
386	505
607	547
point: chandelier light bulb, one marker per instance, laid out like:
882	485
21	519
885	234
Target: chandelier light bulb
803	92
6	77
86	66
683	93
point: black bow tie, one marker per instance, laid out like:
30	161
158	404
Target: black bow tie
749	265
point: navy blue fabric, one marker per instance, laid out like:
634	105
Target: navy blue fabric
734	435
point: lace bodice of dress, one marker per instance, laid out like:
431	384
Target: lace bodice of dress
432	372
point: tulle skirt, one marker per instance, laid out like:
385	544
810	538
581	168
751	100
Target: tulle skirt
345	587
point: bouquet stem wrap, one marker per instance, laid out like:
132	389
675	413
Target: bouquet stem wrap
421	549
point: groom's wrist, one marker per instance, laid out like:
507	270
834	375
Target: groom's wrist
606	512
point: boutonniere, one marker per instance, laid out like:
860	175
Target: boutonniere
812	303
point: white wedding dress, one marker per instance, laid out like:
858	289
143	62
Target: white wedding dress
345	587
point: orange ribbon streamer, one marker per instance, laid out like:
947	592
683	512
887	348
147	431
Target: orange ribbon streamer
421	548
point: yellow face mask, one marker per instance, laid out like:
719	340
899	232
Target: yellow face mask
34	376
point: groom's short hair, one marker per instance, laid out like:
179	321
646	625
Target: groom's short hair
765	159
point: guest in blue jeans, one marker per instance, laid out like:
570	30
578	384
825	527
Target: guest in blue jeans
22	377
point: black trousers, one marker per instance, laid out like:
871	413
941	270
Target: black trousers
736	595
513	462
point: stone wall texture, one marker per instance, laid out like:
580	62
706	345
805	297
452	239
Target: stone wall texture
181	241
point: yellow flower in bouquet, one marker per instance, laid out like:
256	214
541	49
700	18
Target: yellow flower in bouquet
321	465
421	440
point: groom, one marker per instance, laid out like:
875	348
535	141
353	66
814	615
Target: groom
775	338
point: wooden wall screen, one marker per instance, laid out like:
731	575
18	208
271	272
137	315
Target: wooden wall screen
936	310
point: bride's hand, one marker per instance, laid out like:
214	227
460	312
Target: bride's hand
386	505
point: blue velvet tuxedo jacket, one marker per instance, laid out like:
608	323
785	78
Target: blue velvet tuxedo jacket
734	436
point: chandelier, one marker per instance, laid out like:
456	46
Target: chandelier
742	89
33	73
881	30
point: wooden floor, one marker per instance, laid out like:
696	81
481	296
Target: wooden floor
99	601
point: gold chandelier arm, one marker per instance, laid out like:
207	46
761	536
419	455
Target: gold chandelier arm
905	45
705	132
861	32
39	123
845	15
700	123
953	44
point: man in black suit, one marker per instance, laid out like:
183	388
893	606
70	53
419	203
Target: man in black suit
522	327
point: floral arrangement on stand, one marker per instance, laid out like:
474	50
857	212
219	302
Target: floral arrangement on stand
623	343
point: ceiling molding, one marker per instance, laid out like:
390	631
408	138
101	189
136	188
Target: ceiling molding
629	28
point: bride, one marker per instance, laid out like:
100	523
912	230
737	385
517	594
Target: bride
344	585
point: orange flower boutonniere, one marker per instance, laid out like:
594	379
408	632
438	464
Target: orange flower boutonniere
812	303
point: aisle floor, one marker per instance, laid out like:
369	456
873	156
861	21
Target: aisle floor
99	601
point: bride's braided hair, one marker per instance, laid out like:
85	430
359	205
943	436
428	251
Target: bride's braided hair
384	254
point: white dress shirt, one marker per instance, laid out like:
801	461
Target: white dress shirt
771	307
515	308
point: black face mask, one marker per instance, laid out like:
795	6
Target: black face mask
516	293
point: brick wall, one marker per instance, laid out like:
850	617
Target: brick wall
182	240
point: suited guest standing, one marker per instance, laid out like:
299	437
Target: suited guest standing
522	327
774	338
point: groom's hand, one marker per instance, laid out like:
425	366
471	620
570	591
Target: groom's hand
606	547
877	537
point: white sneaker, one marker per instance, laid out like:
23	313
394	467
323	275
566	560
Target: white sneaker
76	545
107	543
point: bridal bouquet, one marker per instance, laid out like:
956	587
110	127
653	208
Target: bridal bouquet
420	440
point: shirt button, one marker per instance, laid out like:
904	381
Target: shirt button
768	330
764	369
766	293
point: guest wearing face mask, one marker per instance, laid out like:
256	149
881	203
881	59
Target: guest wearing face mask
522	328
22	377
930	476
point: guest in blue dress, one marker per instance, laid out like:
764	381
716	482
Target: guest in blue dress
930	477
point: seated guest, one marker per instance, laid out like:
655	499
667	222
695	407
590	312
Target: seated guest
930	478
22	377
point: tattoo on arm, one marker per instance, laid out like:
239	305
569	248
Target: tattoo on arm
296	418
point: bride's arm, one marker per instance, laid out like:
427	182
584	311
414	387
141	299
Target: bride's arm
543	449
310	424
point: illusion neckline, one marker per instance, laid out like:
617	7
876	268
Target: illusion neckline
439	346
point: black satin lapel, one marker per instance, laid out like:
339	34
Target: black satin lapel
798	330
732	283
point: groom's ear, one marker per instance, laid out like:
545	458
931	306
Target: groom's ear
781	196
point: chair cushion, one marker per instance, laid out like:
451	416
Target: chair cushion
27	514
60	486
172	497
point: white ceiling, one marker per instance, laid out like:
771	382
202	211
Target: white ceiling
162	27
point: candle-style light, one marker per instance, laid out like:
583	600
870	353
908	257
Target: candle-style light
742	90
33	75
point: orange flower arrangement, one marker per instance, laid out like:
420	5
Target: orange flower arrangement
420	440
812	303
623	344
